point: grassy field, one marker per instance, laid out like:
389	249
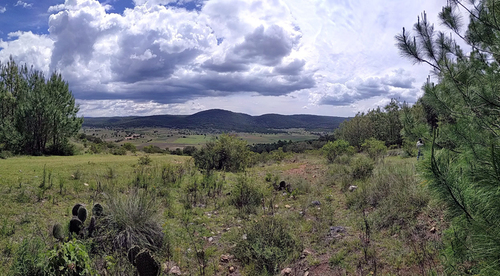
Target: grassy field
172	139
372	230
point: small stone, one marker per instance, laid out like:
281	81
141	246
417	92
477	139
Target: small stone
433	230
276	206
306	273
286	271
225	258
352	188
287	206
316	202
86	184
211	239
244	236
231	269
175	270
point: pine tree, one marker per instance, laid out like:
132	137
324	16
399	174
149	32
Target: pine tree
463	109
37	116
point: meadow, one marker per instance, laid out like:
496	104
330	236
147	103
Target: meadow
388	225
180	138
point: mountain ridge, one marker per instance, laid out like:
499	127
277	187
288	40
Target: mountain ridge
219	119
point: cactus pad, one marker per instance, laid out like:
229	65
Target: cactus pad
146	264
57	231
82	214
75	225
97	210
132	253
75	209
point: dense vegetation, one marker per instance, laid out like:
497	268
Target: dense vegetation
37	115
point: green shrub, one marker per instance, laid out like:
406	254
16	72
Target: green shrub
362	167
268	245
130	147
119	151
4	154
375	148
145	160
334	149
245	196
29	259
152	149
227	153
69	258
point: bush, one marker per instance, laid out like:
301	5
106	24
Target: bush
152	149
130	147
119	151
145	160
63	149
334	149
362	167
374	148
227	153
69	258
5	154
267	246
245	196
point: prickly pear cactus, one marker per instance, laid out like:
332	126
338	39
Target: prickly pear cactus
82	214
91	227
75	225
132	253
97	210
146	264
57	231
74	211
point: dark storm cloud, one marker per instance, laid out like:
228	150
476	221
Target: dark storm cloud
265	46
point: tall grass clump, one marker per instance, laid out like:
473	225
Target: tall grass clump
131	220
29	259
266	245
246	196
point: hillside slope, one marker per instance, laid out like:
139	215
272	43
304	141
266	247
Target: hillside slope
218	119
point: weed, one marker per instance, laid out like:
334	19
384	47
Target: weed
69	258
267	246
29	259
245	196
145	160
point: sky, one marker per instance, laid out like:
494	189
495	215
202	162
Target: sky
148	57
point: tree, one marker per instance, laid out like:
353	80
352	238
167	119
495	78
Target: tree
227	153
463	111
37	116
356	130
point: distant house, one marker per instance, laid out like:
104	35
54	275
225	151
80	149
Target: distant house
133	136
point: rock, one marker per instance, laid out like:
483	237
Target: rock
433	230
306	253
210	239
224	258
287	206
286	271
315	203
175	270
244	236
352	188
231	269
306	273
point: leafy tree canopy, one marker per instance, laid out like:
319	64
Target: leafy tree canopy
37	115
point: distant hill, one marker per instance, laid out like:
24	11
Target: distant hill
217	119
